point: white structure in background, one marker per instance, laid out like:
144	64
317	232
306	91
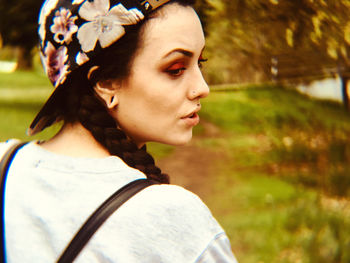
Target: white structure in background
324	89
7	66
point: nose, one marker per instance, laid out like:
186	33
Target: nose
199	87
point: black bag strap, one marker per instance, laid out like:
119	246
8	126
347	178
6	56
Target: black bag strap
100	216
4	166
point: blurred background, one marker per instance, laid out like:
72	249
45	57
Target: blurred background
271	157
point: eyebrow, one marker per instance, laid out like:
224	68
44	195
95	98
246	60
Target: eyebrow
181	51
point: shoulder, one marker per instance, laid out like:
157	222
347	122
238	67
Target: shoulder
4	146
181	211
186	223
177	203
162	223
167	194
172	207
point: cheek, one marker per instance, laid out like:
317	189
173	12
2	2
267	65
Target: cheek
156	101
157	113
145	117
151	110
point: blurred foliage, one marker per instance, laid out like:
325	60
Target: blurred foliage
203	8
7	53
295	40
18	24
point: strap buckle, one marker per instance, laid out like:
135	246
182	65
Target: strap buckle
152	4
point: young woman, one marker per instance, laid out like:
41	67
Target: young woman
125	72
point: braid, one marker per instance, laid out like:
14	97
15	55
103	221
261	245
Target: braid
93	115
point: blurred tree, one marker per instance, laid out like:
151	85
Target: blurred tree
320	32
203	9
242	40
285	39
331	33
18	23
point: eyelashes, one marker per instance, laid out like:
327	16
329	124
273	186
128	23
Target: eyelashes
201	61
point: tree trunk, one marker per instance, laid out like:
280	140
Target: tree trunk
24	58
344	89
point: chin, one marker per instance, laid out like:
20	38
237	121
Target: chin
178	140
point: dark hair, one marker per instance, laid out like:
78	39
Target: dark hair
85	106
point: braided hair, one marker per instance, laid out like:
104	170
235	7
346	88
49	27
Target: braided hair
85	106
93	116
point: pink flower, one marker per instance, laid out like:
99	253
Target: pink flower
46	9
55	61
64	26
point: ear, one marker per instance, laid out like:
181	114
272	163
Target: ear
107	90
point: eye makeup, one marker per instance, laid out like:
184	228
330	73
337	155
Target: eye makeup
179	61
176	69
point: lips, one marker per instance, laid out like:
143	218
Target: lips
192	119
192	114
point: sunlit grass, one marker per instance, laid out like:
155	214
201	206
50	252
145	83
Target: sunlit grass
21	96
272	108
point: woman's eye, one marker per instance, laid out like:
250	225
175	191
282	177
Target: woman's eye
176	72
176	69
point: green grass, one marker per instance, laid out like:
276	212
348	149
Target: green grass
282	191
271	220
21	96
283	133
270	109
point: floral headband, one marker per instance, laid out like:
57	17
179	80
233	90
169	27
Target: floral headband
71	32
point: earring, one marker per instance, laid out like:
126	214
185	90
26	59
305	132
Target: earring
111	102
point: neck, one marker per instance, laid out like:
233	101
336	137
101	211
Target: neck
76	141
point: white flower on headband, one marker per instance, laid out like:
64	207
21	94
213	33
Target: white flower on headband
55	61
106	25
81	58
77	2
64	26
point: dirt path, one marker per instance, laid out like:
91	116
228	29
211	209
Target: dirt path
192	166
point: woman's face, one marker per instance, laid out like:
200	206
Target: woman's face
159	101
